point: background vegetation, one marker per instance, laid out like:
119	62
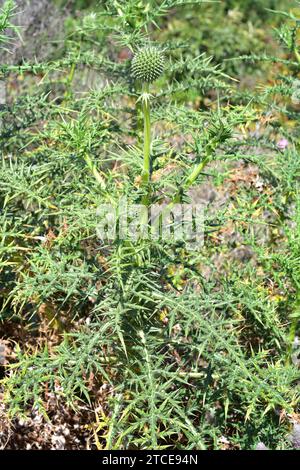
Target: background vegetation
147	344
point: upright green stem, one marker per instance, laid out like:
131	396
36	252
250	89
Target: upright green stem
196	172
146	175
139	119
147	136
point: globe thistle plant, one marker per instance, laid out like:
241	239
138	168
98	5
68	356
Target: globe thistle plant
147	66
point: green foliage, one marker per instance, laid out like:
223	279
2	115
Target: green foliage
193	348
6	14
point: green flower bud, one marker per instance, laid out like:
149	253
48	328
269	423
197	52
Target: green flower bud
147	64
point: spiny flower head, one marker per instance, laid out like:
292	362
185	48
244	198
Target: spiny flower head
147	64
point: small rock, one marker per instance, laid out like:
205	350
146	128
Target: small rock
294	437
58	442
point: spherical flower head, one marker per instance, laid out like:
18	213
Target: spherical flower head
147	64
